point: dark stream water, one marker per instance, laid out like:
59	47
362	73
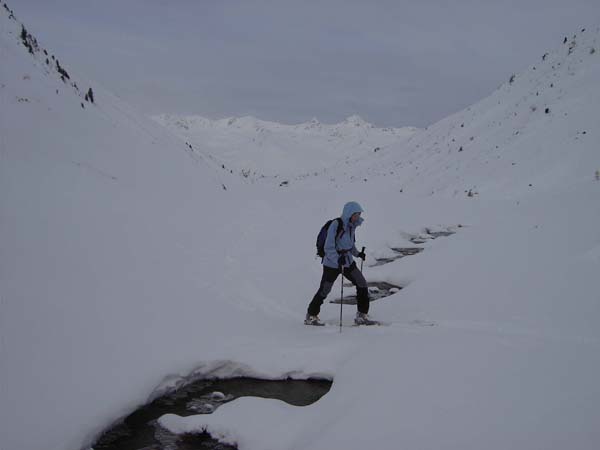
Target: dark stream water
140	430
400	252
377	290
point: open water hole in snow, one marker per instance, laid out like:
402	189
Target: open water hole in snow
140	430
399	253
377	290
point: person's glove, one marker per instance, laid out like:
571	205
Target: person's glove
362	256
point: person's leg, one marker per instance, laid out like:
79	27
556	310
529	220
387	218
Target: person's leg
328	278
362	290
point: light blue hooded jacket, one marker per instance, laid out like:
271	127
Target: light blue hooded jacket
345	243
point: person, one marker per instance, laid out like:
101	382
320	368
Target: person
339	252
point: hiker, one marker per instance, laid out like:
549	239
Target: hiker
338	252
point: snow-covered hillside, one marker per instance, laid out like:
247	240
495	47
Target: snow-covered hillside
258	149
538	131
131	262
88	193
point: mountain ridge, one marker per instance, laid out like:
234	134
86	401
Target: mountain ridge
512	141
537	131
260	150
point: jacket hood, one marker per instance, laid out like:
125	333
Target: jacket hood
349	209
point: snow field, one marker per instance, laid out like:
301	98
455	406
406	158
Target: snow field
126	268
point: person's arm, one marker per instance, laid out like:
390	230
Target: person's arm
356	253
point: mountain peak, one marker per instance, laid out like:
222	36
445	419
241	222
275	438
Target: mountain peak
356	121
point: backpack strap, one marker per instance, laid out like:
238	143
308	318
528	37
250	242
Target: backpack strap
340	230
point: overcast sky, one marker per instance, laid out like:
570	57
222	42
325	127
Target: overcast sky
394	63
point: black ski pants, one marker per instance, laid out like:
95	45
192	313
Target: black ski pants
354	275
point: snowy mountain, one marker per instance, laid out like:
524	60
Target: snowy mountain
515	140
259	149
87	192
537	132
131	262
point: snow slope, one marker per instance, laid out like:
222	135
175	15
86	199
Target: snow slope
126	268
87	196
259	149
537	132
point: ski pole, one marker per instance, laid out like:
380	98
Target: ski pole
342	299
362	260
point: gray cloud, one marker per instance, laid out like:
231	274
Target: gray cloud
393	62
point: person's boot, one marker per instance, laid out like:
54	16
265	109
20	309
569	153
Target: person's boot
313	320
364	319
